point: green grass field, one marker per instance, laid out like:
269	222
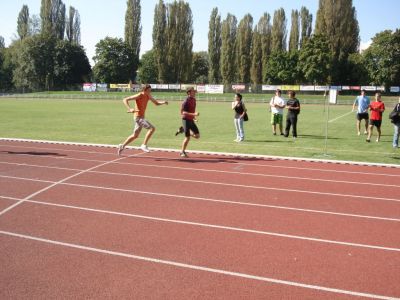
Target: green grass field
106	122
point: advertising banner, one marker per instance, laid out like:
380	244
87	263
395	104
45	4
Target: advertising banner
174	86
290	88
321	88
355	88
270	87
101	87
214	88
368	88
307	88
119	86
238	87
201	88
380	88
89	87
336	87
395	89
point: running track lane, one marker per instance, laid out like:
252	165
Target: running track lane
55	214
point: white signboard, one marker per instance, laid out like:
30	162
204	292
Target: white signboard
369	88
89	87
333	96
238	87
270	87
321	88
174	86
380	88
306	88
101	87
214	88
201	88
395	89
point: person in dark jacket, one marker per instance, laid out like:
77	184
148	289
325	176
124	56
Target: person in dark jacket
293	106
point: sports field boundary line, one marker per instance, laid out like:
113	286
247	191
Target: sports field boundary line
244	155
195	267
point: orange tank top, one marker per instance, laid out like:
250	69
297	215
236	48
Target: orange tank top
141	105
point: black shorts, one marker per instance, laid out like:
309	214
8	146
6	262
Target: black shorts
189	125
361	116
376	123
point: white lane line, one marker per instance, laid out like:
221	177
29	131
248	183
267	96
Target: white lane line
231	185
198	268
220	227
230	163
342	116
219	154
212	200
57	183
216	171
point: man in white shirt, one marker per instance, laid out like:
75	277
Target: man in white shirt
277	105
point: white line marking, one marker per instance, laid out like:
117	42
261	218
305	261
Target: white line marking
56	183
205	159
244	186
214	171
224	202
213	226
346	114
198	268
213	153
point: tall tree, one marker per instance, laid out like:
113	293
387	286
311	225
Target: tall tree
58	14
113	61
382	58
72	28
214	47
228	49
243	44
23	22
148	68
264	28
2	43
46	17
306	25
34	25
294	31
133	31
278	42
256	57
337	20
160	40
200	67
315	59
180	41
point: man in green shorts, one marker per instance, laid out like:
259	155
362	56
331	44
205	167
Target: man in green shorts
277	105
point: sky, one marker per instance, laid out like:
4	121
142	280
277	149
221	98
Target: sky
102	18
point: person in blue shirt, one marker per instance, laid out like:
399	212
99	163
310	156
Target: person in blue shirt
362	103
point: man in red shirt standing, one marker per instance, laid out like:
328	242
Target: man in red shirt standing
141	101
188	112
377	108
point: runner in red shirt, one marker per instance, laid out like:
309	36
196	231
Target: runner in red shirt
377	108
188	113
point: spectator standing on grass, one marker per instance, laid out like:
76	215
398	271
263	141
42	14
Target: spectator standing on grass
377	108
277	104
396	124
240	110
293	106
362	103
188	113
141	99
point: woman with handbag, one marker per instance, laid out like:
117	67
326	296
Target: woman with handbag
240	113
395	117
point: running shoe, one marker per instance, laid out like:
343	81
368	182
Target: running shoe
120	149
180	130
183	154
144	148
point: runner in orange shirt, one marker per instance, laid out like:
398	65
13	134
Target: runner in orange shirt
141	101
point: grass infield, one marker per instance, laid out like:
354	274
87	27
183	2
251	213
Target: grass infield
106	122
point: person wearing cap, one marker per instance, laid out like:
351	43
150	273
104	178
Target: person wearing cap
277	104
188	113
141	99
362	103
377	108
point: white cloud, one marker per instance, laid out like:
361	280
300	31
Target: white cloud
365	45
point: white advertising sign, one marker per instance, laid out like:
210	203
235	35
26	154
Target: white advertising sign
214	89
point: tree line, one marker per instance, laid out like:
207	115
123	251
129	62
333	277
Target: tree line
47	53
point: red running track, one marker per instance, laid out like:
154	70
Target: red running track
78	221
